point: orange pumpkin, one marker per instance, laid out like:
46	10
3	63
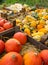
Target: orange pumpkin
44	56
20	37
2	46
7	25
11	58
31	58
13	45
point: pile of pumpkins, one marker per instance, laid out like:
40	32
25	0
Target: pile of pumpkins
12	48
5	25
35	24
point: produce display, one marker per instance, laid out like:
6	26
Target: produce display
18	49
4	25
15	56
35	24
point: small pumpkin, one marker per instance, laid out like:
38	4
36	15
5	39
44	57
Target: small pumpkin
21	37
31	58
11	58
2	46
13	45
44	56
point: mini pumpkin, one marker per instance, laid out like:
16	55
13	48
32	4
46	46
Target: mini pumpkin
2	46
13	45
21	37
44	56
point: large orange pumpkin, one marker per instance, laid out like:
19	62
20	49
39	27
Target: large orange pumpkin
21	37
32	58
11	58
2	46
44	55
13	45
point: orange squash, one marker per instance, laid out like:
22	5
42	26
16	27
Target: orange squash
43	30
39	26
11	58
31	58
27	31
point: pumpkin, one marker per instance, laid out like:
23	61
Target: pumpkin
21	37
11	58
32	58
1	29
44	56
2	46
7	25
12	45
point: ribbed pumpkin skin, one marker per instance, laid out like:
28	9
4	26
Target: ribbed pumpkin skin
32	59
11	58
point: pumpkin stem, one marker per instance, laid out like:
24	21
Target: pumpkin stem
36	54
14	57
